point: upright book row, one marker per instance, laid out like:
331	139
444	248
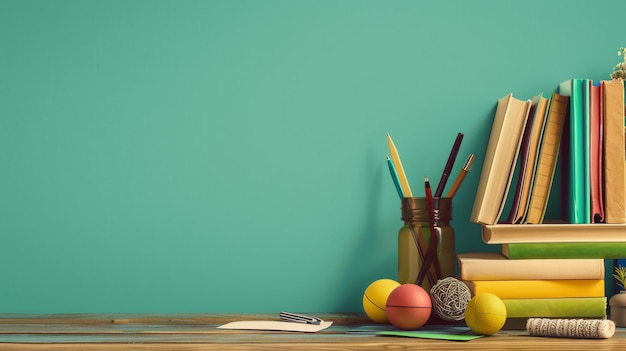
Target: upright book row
583	123
581	126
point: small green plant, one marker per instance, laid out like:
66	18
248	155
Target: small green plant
620	276
619	71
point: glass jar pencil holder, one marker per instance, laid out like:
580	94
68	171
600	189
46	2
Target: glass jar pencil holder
414	239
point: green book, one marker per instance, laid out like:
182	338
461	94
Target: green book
565	250
576	307
578	165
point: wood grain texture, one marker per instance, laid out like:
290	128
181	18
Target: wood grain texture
198	332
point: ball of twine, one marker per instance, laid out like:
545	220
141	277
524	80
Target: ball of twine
450	297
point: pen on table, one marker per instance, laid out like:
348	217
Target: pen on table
394	177
299	318
404	183
461	176
431	254
448	168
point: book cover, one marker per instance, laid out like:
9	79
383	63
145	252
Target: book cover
606	250
534	289
614	170
596	142
495	266
586	152
564	164
527	158
533	165
500	159
553	233
522	160
547	160
575	307
577	185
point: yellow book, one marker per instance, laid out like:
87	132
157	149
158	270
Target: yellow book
476	266
546	165
534	289
614	169
500	159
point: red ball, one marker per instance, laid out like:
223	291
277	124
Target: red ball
408	307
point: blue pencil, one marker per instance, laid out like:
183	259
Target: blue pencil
394	176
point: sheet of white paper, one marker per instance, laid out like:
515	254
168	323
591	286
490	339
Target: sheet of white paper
276	325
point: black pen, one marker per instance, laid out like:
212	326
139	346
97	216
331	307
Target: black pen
448	169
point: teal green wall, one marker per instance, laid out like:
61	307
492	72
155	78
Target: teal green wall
229	156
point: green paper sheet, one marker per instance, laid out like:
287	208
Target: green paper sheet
431	335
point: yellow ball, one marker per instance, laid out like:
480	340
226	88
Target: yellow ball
485	314
375	299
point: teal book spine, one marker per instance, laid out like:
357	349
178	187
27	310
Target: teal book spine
584	211
605	250
579	210
579	307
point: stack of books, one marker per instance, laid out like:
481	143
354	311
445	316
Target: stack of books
552	268
548	288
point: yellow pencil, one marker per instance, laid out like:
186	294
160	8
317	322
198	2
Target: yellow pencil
404	183
461	176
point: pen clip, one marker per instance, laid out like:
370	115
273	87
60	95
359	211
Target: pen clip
300	318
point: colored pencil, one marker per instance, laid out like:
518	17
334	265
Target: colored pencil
394	177
404	183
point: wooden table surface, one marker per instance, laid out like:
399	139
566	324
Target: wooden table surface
198	332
